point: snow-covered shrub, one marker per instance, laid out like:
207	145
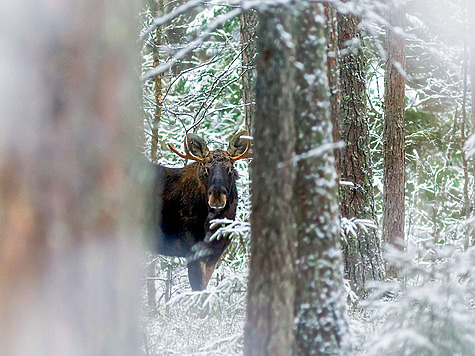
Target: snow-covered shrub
432	310
209	322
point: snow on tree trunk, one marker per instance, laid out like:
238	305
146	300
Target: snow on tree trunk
69	217
393	129
320	302
362	253
270	313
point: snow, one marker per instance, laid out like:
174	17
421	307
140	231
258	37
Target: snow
430	309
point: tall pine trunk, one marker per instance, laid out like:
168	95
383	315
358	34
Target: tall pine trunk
156	41
331	35
361	253
320	306
248	61
69	217
270	312
393	129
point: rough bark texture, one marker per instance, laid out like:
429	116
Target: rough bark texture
157	5
362	254
248	43
69	213
393	130
269	324
331	35
320	306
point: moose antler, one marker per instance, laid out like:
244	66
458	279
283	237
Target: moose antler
187	155
244	154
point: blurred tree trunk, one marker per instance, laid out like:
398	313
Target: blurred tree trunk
69	218
362	254
157	6
320	306
270	313
248	44
393	129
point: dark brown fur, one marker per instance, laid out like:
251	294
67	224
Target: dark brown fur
183	218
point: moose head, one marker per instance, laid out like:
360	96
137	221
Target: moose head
215	168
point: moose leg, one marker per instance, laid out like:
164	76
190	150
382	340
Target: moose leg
208	271
199	273
201	268
196	275
210	265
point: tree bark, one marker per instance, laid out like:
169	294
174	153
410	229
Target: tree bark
248	44
320	306
361	253
393	130
157	6
331	35
69	218
270	313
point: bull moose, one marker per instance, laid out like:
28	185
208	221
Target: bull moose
188	198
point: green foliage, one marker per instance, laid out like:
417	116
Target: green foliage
422	132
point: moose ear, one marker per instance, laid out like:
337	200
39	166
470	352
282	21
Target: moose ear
237	145
196	145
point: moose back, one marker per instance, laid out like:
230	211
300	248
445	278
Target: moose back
186	199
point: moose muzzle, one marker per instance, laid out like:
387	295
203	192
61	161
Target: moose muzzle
216	198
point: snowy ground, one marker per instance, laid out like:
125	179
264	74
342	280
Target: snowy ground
431	311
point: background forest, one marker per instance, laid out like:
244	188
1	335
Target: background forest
354	233
204	54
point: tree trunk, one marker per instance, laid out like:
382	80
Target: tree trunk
157	5
320	306
69	217
270	313
393	130
362	253
331	35
248	44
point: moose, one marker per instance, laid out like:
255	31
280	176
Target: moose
190	197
